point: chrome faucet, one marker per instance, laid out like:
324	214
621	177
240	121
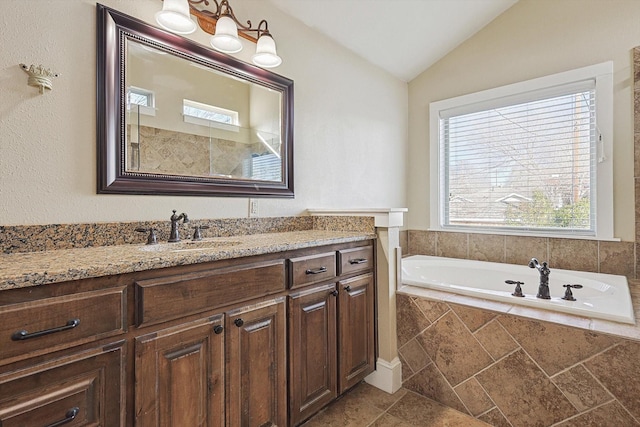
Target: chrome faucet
174	236
543	269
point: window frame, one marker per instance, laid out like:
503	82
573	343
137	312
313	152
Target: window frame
602	191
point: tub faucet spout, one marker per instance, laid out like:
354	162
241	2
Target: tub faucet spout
544	270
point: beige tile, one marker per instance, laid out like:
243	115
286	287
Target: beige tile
636	111
486	247
414	355
422	242
473	318
495	418
581	388
387	420
452	245
569	254
520	249
374	396
418	411
523	393
433	310
430	383
636	151
496	340
404	241
611	414
617	258
474	397
410	320
614	368
456	353
555	347
636	71
407	372
353	410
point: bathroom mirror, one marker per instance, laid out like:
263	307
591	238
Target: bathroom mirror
175	117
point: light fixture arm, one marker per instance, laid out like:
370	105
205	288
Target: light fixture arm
207	19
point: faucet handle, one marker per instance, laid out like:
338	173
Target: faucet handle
196	233
568	295
152	239
518	291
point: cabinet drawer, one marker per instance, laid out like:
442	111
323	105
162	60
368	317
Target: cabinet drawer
172	297
355	260
84	389
312	269
41	326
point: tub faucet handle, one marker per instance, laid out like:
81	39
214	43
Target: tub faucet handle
518	291
568	295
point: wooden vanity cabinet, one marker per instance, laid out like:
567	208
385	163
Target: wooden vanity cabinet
331	331
63	356
179	375
265	340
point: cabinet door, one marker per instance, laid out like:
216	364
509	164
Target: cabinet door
312	349
356	343
180	375
256	365
82	389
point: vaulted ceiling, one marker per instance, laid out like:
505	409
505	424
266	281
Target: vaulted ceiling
404	37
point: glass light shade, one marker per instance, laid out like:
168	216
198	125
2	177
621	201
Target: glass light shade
175	17
226	37
266	55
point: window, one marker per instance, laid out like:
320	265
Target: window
208	115
529	158
142	100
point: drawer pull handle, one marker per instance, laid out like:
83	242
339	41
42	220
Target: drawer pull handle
357	261
317	270
334	293
24	335
218	329
69	416
238	322
347	288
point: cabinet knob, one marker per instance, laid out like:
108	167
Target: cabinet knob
238	322
347	288
334	293
218	329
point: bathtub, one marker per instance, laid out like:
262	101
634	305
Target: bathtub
603	296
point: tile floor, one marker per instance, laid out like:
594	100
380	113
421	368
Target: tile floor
366	405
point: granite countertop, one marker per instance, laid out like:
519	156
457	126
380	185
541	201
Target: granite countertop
20	270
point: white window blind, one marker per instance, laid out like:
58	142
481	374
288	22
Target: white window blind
525	165
529	158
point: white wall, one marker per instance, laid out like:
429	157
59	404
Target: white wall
534	38
350	121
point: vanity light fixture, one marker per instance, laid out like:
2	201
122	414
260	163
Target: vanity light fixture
224	27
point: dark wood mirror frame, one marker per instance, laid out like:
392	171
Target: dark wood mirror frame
113	29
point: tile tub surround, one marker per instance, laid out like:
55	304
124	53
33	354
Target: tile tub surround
32	238
512	371
568	254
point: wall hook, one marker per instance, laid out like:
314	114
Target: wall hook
39	77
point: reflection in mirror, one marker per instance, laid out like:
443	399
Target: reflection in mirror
227	128
175	117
